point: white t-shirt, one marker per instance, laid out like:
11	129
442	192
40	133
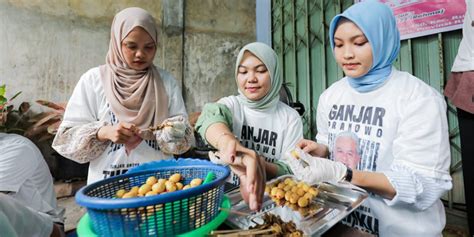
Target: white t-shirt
403	133
88	104
465	58
17	220
270	133
26	176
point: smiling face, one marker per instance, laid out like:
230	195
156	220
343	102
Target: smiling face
345	151
253	78
138	49
352	50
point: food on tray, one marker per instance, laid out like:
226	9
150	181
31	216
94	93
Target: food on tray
154	186
291	191
278	226
294	194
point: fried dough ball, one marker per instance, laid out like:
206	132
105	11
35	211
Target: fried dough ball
195	182
144	189
170	186
186	186
158	187
134	190
303	202
129	195
120	193
151	180
175	178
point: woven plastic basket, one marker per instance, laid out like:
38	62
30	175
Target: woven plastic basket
84	228
165	214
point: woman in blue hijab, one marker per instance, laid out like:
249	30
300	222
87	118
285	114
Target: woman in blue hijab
400	123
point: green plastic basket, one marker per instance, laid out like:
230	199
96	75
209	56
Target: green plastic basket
84	228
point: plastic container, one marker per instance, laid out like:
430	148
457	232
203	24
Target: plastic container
167	214
84	228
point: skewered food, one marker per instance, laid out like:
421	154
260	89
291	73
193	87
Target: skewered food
278	226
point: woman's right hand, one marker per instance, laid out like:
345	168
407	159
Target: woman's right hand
250	168
119	133
313	148
247	165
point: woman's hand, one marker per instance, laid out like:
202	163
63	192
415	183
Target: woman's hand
120	133
314	169
250	168
313	148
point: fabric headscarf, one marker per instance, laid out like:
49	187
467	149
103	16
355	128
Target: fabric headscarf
378	24
137	97
268	57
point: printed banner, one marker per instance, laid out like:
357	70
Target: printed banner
417	18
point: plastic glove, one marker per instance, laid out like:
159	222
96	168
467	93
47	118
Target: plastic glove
176	136
317	169
174	129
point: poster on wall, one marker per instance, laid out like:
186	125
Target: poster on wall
417	18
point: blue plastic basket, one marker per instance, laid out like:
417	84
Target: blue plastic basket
165	214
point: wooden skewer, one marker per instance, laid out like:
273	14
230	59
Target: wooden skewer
256	232
217	232
234	211
230	233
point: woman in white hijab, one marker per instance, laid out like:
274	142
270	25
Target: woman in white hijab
109	115
254	125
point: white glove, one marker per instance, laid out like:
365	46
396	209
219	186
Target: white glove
174	129
318	169
176	137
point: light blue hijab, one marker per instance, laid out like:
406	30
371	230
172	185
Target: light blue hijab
268	57
377	22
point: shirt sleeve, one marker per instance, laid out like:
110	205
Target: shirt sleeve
213	113
80	143
294	134
16	163
14	217
282	168
322	122
420	170
76	138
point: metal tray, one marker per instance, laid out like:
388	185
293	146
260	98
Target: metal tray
337	200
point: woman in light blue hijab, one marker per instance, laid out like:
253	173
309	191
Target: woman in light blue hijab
399	120
254	125
377	23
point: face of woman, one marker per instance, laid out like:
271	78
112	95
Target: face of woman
139	49
352	50
253	77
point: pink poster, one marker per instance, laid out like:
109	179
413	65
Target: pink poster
417	18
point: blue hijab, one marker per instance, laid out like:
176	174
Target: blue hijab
378	24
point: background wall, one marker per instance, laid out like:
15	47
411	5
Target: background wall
46	45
